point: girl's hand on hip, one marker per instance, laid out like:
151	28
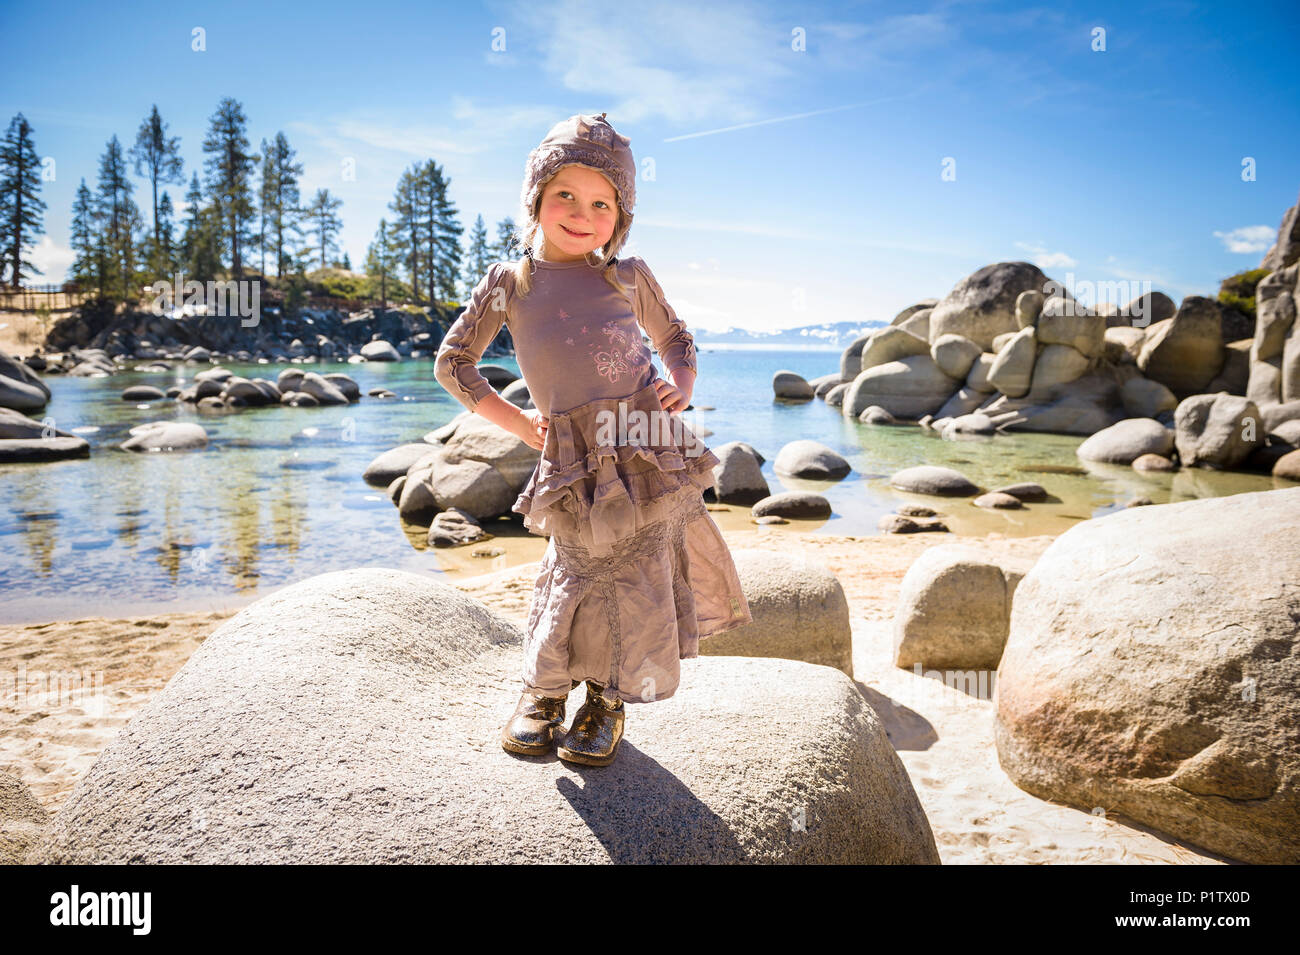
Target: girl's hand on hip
532	428
670	396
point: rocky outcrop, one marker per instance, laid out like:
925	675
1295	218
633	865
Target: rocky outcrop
983	304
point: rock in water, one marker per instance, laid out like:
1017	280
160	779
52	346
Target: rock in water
355	717
1153	669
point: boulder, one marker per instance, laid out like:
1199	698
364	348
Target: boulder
1056	365
799	608
978	377
738	475
1286	250
1123	344
907	388
1185	352
811	460
395	462
786	384
795	505
142	393
1013	367
1153	669
891	344
1029	305
932	479
1144	311
954	607
354	718
35	450
166	436
1064	321
1125	441
379	351
954	354
984	303
1217	431
1144	398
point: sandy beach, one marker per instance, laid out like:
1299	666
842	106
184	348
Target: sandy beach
943	736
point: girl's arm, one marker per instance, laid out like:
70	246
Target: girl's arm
675	344
469	336
456	366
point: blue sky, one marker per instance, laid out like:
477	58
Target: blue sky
790	186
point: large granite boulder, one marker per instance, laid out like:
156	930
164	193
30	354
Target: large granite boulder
1185	352
354	717
1153	669
983	304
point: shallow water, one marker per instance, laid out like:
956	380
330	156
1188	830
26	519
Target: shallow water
277	496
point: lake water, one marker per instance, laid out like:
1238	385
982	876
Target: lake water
277	496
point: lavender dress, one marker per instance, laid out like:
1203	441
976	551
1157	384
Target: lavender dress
636	571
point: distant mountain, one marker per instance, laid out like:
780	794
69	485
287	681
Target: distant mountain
826	335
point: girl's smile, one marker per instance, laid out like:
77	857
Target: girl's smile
578	213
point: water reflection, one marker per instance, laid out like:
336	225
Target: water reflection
277	494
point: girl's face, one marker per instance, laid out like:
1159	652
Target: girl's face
578	214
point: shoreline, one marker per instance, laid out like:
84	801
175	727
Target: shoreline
943	737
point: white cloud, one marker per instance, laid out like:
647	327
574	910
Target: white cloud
1048	260
52	259
1248	238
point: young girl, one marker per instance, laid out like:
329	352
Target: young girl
636	571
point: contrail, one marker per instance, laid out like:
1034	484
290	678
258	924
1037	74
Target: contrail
786	119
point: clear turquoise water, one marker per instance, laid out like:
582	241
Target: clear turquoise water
277	496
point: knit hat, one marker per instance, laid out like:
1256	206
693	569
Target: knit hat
584	140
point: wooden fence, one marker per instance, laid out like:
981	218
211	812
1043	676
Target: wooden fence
29	298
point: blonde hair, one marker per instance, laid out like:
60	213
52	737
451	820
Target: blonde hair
528	237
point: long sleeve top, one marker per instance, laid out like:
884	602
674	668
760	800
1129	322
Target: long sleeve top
576	338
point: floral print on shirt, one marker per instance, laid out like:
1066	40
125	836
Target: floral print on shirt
620	356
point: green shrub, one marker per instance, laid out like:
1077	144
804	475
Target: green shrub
1238	291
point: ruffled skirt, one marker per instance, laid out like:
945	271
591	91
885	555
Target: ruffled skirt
636	572
611	467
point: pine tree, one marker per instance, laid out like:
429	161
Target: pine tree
478	258
280	198
324	223
506	248
87	264
229	168
381	260
405	232
200	244
20	206
158	158
120	216
442	232
164	252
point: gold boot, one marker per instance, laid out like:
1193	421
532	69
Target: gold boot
597	728
531	730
